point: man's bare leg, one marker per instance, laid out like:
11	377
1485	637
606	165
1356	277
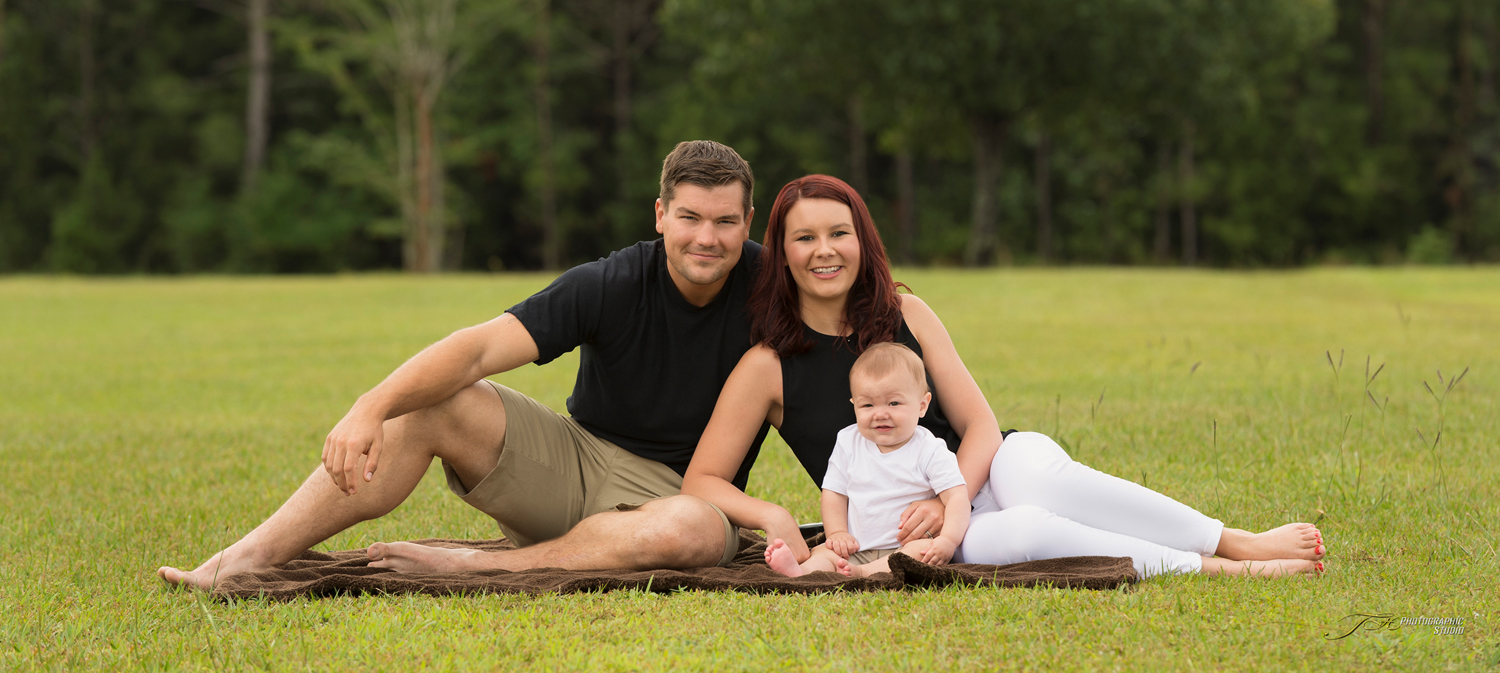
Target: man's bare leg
677	532
467	430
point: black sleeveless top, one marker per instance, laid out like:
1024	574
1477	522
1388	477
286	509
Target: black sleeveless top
815	400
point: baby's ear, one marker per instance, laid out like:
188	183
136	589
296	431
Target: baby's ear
922	408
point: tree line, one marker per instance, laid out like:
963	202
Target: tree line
186	136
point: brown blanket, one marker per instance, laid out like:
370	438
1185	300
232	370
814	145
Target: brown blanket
348	572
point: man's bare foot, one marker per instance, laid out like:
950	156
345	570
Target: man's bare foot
1292	541
782	560
409	557
1272	568
207	576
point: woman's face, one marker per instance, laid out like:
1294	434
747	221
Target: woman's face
822	250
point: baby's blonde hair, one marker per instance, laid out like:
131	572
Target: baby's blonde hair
883	358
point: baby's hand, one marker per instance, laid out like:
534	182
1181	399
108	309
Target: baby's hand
842	544
938	553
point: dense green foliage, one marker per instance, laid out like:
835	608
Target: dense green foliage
521	133
153	421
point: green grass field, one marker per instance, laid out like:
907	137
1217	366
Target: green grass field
152	421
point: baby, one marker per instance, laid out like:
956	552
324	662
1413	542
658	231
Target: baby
880	465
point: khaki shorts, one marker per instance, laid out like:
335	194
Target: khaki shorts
553	473
860	558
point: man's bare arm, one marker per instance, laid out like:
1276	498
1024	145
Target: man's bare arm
437	373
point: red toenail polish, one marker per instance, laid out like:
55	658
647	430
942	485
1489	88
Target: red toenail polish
1320	566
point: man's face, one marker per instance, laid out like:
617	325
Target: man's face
704	230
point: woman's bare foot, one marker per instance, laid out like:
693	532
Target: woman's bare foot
223	564
1292	541
782	560
409	557
1272	568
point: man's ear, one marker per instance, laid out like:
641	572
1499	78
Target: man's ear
922	408
661	212
749	217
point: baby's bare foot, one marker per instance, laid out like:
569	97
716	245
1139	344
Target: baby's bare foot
782	560
1271	568
1292	541
407	557
843	568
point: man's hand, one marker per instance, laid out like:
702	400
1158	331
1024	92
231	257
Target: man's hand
939	553
843	544
352	449
921	518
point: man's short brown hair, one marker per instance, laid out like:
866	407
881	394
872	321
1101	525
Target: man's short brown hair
884	358
706	164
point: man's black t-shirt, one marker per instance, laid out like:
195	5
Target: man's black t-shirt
652	364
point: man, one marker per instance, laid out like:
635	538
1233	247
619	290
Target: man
661	325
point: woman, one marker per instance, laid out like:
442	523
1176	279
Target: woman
824	294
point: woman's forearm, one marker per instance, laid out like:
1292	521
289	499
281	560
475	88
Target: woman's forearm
743	511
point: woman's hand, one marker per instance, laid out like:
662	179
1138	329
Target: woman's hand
843	544
919	519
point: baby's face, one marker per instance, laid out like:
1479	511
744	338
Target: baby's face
886	409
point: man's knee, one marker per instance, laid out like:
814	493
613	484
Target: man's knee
687	530
464	408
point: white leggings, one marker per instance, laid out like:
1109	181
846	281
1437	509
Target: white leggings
1041	504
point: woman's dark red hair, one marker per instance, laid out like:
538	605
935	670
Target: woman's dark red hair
873	311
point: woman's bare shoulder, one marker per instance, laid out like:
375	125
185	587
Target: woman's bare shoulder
917	313
760	364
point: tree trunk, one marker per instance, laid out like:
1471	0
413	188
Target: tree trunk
1374	67
2	31
859	175
1043	181
258	98
1106	191
988	136
1163	242
426	249
906	201
1189	208
86	76
621	48
1461	157
547	190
